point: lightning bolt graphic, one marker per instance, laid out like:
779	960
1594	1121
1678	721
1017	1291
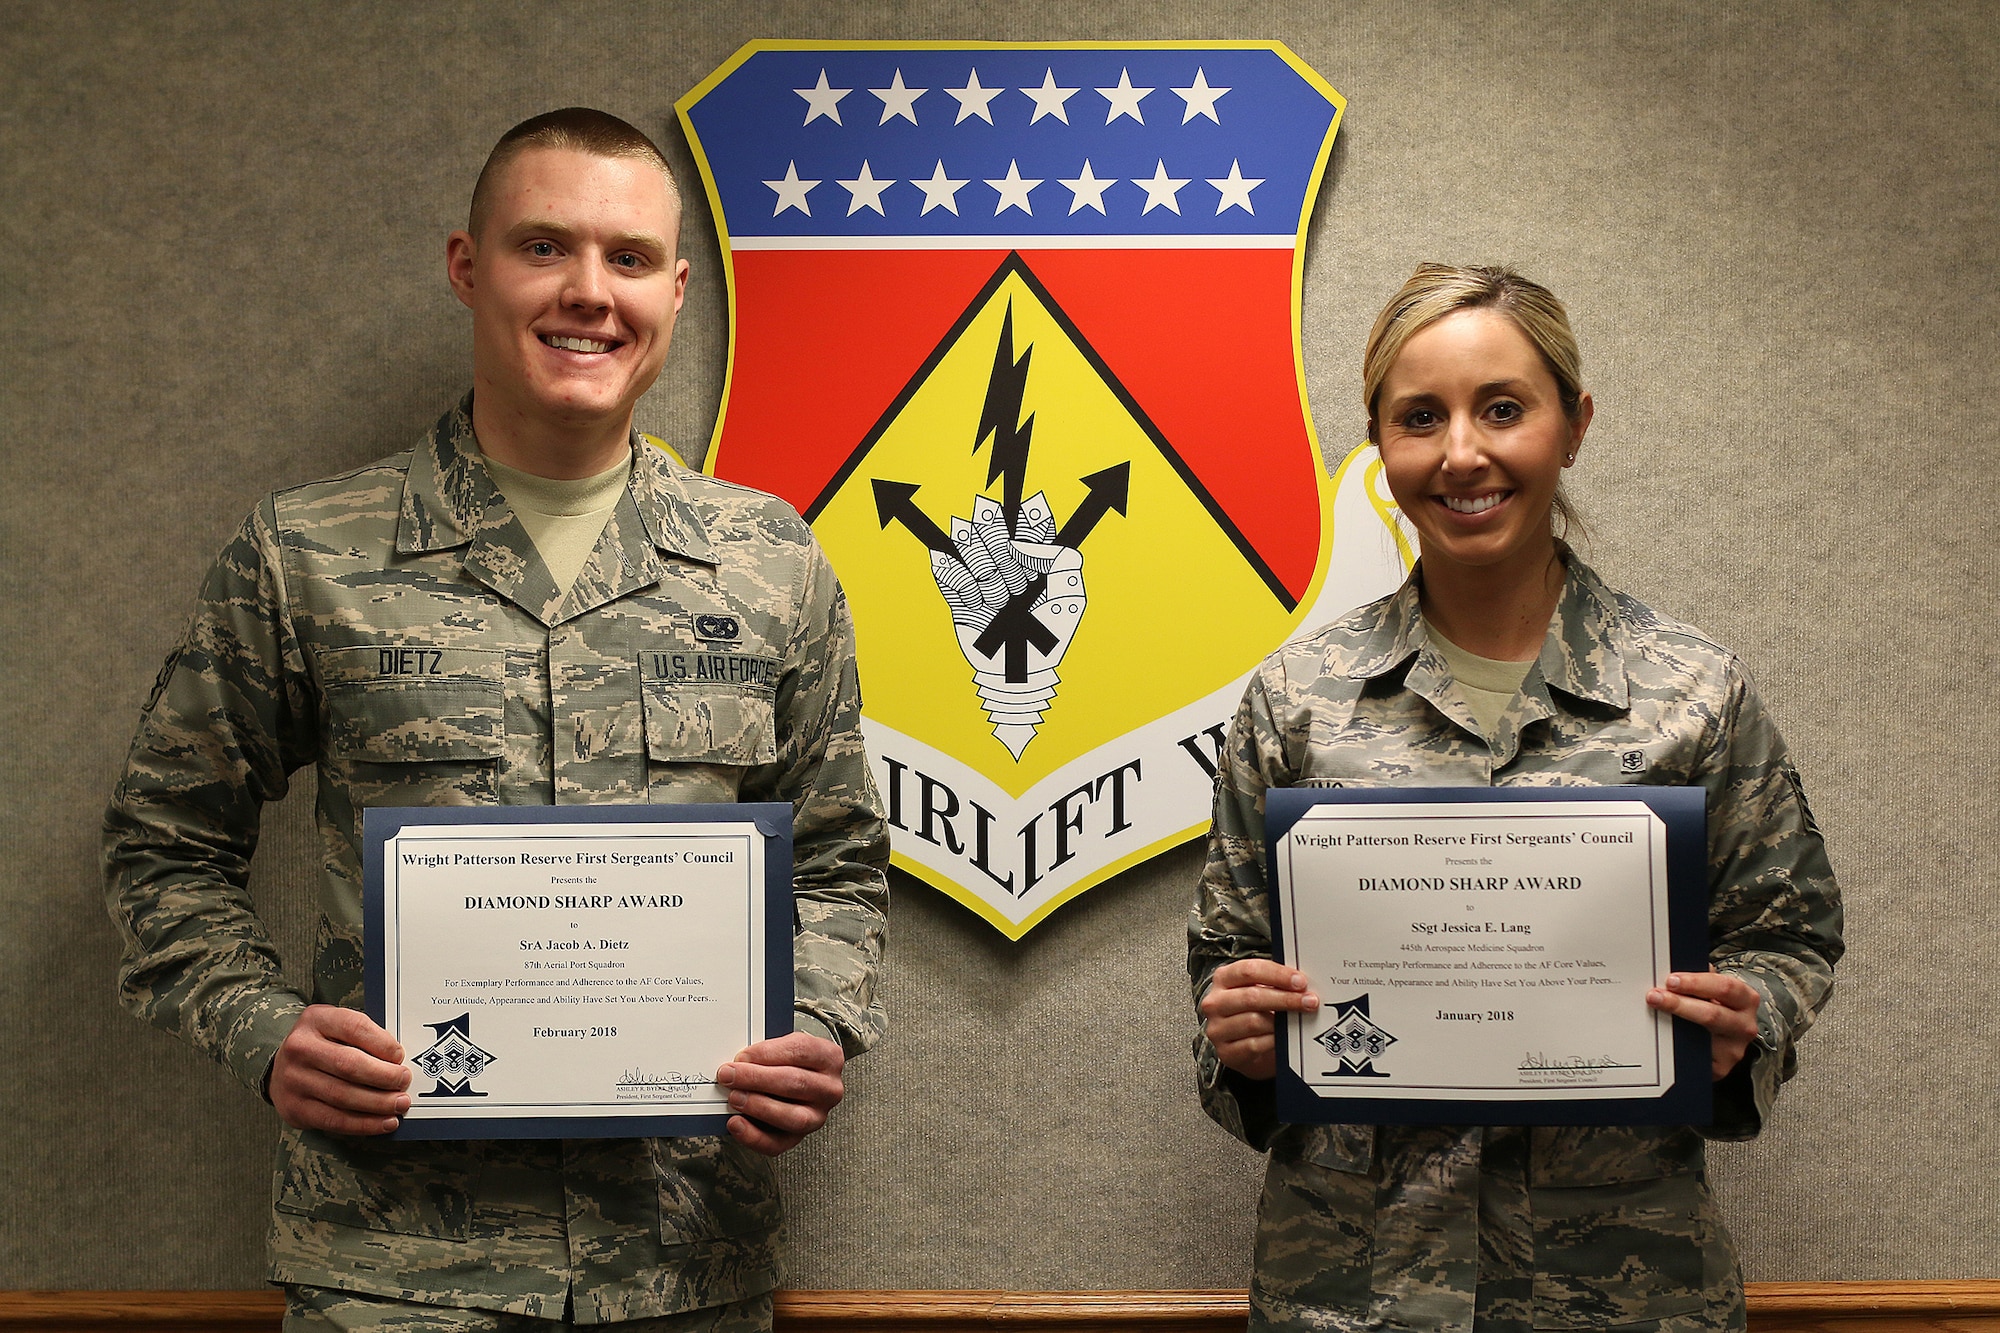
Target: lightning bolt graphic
999	586
1000	420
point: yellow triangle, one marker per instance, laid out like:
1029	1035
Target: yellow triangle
1173	608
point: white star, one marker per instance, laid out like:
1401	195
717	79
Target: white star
1160	190
792	191
1088	190
822	100
1200	99
1235	190
1049	99
940	191
898	100
973	99
1013	190
1124	98
866	191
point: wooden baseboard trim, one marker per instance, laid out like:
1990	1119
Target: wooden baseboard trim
1021	1311
1775	1307
141	1311
1874	1307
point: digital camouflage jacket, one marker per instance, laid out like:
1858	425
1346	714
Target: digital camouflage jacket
520	696
1457	1227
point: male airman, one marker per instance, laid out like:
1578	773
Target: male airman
542	555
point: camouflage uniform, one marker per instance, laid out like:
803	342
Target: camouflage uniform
705	654
1505	1229
318	1310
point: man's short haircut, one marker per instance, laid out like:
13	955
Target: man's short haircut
580	129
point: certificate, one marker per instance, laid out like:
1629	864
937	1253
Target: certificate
1482	955
576	971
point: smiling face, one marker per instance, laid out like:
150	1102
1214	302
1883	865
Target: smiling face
1473	439
573	285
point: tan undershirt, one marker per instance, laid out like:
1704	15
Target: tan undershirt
1488	686
564	518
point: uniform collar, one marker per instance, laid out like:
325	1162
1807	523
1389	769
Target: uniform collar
1583	656
448	491
1397	634
449	500
659	492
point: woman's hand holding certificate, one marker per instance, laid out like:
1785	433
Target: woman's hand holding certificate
1725	1005
1240	1007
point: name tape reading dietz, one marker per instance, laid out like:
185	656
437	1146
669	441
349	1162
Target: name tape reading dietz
715	668
409	661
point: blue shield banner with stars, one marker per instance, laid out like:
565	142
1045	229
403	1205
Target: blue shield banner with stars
1015	326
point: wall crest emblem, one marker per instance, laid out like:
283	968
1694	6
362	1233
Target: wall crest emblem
1016	328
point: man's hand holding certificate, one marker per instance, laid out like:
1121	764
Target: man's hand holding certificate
1485	956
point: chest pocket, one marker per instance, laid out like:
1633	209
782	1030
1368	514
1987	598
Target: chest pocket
703	735
696	725
416	726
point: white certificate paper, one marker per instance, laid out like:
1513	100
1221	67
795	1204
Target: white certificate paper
1479	957
549	975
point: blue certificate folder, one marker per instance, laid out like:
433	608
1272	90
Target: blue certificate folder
772	821
1362	1099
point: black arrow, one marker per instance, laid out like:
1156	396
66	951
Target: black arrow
896	502
1108	490
1015	628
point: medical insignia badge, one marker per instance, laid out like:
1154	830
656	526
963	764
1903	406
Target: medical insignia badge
1016	328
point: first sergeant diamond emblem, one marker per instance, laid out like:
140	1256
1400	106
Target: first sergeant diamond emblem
452	1060
1016	328
1356	1039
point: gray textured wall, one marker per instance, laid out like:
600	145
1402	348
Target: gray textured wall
1775	226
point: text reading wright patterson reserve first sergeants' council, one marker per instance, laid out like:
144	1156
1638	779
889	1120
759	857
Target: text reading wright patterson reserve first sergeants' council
1469	838
440	860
